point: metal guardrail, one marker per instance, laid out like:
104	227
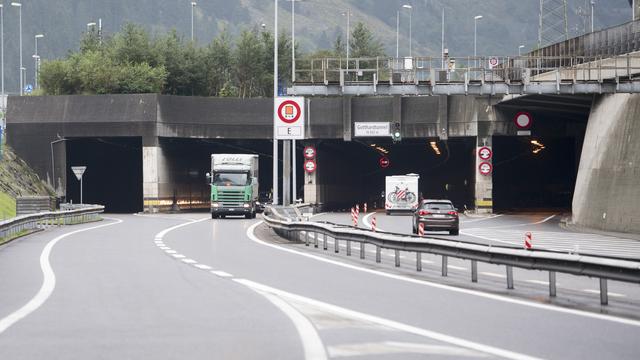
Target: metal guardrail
19	225
469	75
604	268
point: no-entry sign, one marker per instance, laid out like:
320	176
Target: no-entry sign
310	166
485	168
384	162
309	152
288	118
485	153
523	120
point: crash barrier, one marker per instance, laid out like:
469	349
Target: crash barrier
25	224
286	224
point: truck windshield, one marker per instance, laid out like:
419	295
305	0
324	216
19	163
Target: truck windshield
230	179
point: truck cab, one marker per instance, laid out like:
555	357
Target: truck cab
234	185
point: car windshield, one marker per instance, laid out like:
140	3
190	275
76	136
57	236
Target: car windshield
230	179
438	206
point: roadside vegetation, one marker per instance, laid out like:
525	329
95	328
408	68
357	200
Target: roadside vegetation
133	61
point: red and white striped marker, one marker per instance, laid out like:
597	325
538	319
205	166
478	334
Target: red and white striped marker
354	216
365	208
528	241
421	229
373	223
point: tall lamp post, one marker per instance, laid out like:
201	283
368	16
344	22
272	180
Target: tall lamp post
520	49
2	49
410	8
348	15
19	6
275	95
475	37
37	61
193	6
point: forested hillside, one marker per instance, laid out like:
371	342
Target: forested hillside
506	23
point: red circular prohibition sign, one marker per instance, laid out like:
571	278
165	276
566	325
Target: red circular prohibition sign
295	105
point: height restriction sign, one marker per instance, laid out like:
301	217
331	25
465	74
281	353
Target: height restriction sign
288	119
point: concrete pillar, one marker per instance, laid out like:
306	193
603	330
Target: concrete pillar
346	118
154	176
484	183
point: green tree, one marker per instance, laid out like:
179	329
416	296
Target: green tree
363	43
218	63
248	69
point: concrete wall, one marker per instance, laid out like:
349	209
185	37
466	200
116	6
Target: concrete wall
607	192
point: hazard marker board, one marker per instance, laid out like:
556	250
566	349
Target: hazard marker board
485	168
485	153
309	152
310	166
288	118
523	120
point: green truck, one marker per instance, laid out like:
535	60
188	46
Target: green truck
234	185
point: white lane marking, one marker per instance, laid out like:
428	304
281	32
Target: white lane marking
311	342
170	251
49	280
493	275
386	322
395	347
516	225
539	282
612	294
165	248
178	256
630	322
221	274
189	261
456	267
483	219
203	266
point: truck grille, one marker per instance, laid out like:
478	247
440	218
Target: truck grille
231	198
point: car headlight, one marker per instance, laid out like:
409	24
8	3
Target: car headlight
247	205
215	205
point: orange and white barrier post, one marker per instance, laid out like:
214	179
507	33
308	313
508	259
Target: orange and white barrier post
373	223
365	208
528	241
421	229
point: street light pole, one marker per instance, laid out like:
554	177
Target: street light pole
442	41
593	4
475	37
193	5
37	61
2	50
275	95
410	8
397	34
293	41
19	6
348	15
519	49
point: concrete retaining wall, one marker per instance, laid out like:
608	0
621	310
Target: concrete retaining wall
607	193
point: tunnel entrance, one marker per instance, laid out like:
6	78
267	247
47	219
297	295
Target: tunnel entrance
188	161
114	172
350	172
534	173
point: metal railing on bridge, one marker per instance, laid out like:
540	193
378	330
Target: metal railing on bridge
288	223
468	75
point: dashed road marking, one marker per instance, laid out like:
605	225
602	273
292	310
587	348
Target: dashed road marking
189	261
203	266
221	274
170	251
178	256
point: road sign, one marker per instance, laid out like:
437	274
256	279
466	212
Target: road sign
28	89
485	168
493	62
310	166
78	170
288	118
384	162
523	120
309	152
371	129
485	153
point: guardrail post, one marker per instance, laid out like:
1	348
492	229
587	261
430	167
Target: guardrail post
418	261
348	247
336	244
509	277
362	250
474	271
324	242
445	265
315	240
397	256
604	292
552	283
306	238
378	254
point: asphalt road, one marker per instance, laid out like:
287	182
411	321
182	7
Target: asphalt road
186	286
